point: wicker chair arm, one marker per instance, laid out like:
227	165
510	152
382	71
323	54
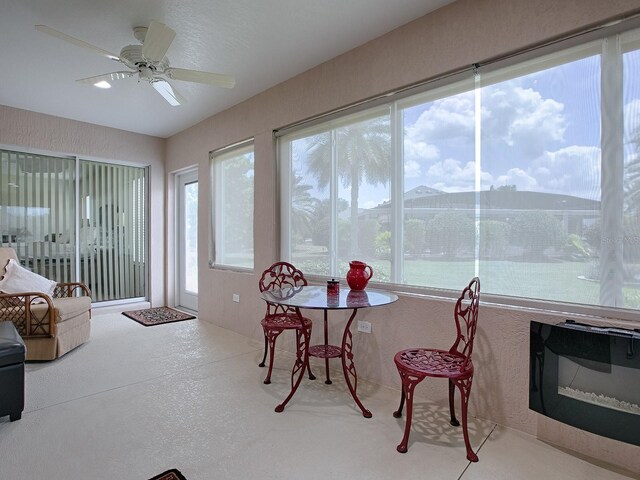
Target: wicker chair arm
69	289
16	308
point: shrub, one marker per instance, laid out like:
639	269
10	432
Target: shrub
536	230
368	230
494	238
383	245
414	236
449	232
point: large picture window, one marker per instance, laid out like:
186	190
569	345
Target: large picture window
232	198
527	175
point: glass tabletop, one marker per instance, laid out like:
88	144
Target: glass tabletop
316	297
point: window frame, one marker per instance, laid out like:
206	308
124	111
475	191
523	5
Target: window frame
216	158
604	41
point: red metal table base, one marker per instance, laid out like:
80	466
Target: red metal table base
326	351
348	367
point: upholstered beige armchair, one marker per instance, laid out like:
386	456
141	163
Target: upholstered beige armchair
50	325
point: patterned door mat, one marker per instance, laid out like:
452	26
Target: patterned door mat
172	474
157	316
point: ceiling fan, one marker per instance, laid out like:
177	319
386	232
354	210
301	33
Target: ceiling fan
147	61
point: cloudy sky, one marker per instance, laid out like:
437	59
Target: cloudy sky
540	132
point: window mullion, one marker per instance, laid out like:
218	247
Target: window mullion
397	194
612	180
213	241
333	195
478	169
286	194
220	244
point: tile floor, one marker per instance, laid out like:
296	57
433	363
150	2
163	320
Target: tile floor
136	401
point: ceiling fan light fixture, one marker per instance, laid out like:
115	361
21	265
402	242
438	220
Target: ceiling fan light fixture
102	84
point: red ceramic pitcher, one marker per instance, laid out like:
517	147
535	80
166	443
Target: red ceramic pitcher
357	276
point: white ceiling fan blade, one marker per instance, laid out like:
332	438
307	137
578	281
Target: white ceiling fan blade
217	79
107	77
169	93
157	41
76	42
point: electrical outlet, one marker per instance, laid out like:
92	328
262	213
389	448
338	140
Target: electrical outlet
364	327
236	298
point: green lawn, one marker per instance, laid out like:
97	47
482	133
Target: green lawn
549	281
558	280
536	280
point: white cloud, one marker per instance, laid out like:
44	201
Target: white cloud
521	118
412	169
420	150
572	170
518	177
444	121
518	121
512	116
451	176
542	172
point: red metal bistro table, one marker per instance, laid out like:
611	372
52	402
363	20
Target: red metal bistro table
316	298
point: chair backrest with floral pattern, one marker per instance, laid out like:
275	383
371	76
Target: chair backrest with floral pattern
280	275
466	316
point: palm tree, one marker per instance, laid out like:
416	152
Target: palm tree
303	207
632	176
362	154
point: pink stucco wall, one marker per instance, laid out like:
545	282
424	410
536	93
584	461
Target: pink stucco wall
457	35
24	130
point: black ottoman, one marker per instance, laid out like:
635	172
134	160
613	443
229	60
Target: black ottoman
12	355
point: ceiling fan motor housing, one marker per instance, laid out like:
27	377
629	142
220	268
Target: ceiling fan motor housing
132	57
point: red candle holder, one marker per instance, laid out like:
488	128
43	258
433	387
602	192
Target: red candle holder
333	287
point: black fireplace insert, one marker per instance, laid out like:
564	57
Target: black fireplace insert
587	377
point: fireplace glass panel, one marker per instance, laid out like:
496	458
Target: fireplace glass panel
587	377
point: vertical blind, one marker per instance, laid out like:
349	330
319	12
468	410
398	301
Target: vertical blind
39	214
112	230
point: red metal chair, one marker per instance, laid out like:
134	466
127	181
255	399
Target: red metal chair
455	364
279	318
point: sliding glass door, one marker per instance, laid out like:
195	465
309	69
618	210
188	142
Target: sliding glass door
37	212
70	219
112	236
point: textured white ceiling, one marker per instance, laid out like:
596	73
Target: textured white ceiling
261	42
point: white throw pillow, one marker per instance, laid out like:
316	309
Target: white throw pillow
18	279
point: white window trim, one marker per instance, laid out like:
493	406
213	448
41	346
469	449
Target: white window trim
215	238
